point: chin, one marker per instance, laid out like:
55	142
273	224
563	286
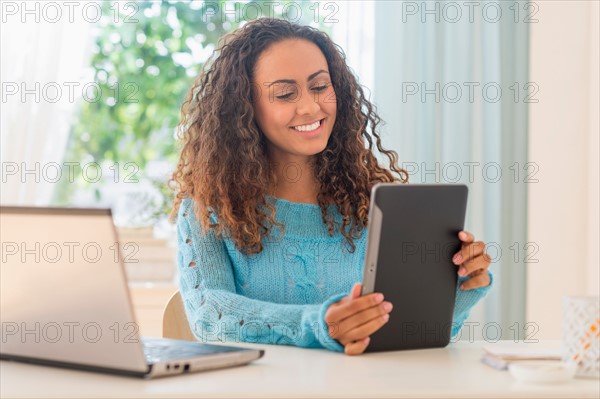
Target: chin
314	149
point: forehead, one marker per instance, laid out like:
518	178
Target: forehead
290	59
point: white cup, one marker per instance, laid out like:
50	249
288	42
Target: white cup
581	334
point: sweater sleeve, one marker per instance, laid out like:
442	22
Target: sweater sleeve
465	300
217	313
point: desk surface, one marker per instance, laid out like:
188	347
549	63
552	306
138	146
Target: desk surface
454	371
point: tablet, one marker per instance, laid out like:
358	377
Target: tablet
412	236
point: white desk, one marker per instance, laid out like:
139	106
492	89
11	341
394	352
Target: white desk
454	371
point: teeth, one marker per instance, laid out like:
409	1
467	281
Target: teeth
308	128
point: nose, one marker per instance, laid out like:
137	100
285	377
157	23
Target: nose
307	104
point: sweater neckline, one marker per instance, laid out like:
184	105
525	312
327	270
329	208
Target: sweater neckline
302	219
287	203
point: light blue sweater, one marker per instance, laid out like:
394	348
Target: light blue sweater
280	295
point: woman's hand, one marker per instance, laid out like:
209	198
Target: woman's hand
353	318
473	261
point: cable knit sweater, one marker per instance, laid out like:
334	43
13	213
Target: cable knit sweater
280	295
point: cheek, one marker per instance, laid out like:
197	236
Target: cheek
271	116
329	103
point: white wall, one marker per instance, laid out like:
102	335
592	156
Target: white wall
563	207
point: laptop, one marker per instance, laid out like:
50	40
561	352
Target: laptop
65	300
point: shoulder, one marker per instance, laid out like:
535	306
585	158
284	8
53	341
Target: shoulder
187	212
185	209
185	205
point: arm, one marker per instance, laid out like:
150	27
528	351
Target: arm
474	280
216	312
465	300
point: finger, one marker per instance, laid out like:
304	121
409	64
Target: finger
366	329
472	265
482	280
343	310
339	328
476	273
346	329
465	236
357	347
469	251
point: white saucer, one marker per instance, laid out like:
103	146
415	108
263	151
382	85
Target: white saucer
542	372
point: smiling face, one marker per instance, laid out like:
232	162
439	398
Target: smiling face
295	105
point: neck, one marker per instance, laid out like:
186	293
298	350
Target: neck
294	180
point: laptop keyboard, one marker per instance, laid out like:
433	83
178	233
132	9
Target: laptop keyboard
158	350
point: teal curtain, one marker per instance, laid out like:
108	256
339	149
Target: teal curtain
452	89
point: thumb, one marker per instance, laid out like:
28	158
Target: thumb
354	293
356	290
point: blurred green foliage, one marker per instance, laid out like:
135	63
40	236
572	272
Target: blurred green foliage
145	58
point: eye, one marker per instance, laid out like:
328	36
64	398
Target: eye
320	88
285	96
290	93
286	91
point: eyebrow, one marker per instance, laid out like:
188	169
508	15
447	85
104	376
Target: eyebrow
310	77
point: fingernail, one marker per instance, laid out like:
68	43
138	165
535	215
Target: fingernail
457	258
462	271
388	306
386	317
367	340
462	234
378	298
462	287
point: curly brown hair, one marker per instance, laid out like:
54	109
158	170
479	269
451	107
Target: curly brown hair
218	121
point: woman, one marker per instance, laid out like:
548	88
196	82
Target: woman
273	185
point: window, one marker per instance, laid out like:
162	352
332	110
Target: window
93	93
